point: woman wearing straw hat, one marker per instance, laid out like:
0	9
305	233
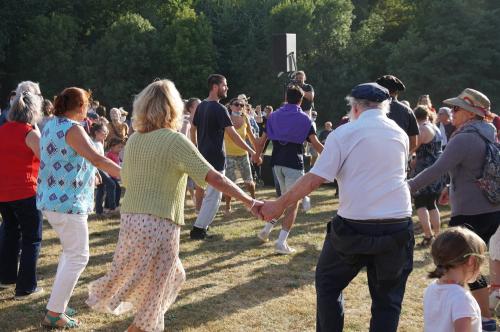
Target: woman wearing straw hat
464	158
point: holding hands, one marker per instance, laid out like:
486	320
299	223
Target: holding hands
266	210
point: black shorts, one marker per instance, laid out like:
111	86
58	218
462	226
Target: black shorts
427	201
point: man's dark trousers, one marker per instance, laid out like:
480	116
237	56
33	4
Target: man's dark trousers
333	274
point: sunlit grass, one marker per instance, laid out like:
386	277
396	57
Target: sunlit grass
234	283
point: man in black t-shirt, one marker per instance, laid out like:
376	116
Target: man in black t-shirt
308	99
210	122
399	112
288	128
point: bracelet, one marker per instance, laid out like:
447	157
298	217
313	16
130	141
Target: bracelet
254	201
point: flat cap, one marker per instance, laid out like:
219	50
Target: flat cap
370	91
391	82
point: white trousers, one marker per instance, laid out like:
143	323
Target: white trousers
209	207
73	233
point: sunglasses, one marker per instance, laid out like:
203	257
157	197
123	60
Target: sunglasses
238	105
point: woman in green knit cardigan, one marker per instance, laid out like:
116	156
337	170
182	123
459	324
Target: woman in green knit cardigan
146	274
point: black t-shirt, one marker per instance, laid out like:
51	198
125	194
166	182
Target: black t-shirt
404	117
210	119
306	104
289	154
323	135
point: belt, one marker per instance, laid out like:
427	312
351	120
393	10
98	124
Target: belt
378	221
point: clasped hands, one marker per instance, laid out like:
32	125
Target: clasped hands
267	210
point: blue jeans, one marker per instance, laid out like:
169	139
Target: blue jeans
334	273
21	220
108	187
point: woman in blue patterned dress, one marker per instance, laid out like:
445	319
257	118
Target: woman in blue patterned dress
65	195
428	151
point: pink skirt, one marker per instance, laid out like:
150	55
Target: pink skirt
146	274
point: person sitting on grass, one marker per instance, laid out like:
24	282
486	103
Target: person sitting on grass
458	254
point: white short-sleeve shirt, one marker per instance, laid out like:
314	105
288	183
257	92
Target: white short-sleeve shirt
368	157
444	304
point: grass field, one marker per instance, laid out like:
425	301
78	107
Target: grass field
234	283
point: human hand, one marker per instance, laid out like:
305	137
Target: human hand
256	159
255	208
444	198
271	210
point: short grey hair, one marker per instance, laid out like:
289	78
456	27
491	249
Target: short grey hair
367	104
27	108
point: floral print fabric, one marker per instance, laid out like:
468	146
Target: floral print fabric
146	274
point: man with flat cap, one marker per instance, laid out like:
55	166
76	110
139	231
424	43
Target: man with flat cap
399	112
373	227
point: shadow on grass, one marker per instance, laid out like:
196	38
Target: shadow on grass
270	282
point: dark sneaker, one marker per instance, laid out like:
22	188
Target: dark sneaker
36	292
198	233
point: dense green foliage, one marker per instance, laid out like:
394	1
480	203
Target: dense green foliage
116	47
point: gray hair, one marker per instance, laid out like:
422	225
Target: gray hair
30	86
367	104
27	108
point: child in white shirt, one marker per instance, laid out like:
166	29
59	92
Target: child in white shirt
458	254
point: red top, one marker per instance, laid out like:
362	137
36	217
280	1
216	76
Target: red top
113	156
18	164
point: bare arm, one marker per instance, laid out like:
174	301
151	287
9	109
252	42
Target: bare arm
250	135
413	144
463	324
33	141
77	138
226	186
309	95
233	134
192	135
261	143
305	185
316	143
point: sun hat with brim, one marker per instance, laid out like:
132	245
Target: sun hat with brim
471	100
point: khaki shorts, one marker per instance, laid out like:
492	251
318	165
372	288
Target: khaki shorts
241	165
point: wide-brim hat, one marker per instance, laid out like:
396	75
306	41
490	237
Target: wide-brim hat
471	100
244	97
391	83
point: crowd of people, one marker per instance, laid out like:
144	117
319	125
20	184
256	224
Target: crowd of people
68	159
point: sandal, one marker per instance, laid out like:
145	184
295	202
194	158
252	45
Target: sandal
51	322
70	312
427	241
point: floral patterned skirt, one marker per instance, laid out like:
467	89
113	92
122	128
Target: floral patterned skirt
146	274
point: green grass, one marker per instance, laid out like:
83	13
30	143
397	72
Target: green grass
234	283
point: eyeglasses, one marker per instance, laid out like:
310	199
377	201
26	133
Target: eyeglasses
238	105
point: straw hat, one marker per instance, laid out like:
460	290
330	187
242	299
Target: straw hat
471	100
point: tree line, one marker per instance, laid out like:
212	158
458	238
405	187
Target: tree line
116	47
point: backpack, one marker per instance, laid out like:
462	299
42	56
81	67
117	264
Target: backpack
489	182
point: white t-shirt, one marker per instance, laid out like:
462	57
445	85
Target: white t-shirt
444	304
99	147
368	157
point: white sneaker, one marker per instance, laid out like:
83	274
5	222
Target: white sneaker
306	203
283	248
263	235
